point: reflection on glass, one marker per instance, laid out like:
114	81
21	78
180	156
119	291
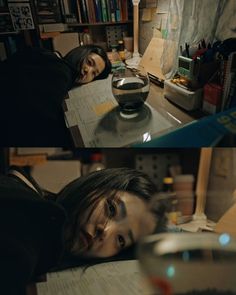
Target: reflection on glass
189	263
130	88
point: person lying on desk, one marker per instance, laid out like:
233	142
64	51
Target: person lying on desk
34	83
93	218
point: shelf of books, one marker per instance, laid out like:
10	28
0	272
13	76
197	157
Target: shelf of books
88	12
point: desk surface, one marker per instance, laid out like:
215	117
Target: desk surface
159	103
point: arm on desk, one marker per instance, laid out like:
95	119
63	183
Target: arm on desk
17	266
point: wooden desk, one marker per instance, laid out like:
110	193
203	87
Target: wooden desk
156	99
158	102
31	290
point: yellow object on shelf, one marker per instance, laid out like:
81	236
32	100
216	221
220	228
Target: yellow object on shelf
28	160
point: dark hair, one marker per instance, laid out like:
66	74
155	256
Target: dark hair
85	192
76	57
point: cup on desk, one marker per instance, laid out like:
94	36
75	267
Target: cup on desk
183	186
128	43
189	263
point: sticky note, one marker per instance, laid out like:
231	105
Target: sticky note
103	108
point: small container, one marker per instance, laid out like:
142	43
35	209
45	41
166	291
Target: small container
183	183
128	43
188	100
115	57
185	205
168	184
96	163
87	39
121	49
174	214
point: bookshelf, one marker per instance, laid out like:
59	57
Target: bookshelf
99	24
17	26
39	22
94	16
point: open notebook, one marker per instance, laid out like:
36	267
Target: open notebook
119	277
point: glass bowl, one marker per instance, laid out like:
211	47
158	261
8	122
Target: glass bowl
130	88
189	263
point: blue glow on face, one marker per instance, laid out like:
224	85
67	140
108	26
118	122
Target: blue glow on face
170	271
224	239
185	256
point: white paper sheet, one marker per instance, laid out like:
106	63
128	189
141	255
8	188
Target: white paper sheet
95	111
162	6
120	277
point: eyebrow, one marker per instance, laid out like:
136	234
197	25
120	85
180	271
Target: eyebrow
123	211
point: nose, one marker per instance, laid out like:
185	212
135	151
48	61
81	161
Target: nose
100	232
87	68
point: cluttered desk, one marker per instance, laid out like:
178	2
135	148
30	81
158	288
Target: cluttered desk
139	111
94	119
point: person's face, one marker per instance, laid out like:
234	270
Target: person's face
91	68
114	225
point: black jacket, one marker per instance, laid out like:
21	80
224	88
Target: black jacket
31	235
33	85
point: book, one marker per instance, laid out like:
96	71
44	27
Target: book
124	10
116	277
79	16
48	11
213	130
90	11
98	10
108	10
84	12
112	10
54	27
104	11
118	13
69	11
230	68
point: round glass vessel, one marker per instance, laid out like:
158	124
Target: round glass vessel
130	88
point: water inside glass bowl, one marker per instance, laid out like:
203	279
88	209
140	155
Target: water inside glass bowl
130	90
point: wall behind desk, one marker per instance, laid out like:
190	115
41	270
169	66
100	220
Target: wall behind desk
222	183
224	25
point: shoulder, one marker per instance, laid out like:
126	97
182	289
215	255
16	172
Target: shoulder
18	197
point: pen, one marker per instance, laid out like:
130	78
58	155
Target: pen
187	49
203	43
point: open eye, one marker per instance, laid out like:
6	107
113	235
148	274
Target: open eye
121	241
111	209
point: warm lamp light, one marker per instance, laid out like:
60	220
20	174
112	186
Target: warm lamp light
135	60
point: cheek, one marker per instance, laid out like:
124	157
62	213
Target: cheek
103	249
